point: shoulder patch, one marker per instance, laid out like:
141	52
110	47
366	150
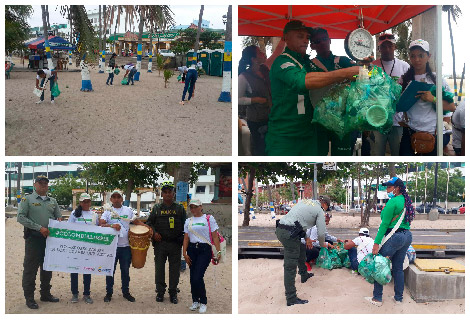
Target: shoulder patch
286	65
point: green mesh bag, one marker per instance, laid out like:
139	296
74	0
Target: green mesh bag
347	262
55	90
124	81
343	255
366	267
335	259
382	272
324	259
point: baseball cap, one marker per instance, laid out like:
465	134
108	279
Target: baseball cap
420	43
195	202
167	184
387	37
364	231
41	178
84	196
326	199
395	181
296	25
116	191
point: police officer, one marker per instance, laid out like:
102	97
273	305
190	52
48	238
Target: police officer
289	230
167	221
290	131
34	213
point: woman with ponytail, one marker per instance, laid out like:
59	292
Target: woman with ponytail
422	116
254	93
82	214
398	213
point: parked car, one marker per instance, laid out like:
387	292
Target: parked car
421	208
166	53
337	209
460	209
284	209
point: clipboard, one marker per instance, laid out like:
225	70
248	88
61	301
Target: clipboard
407	98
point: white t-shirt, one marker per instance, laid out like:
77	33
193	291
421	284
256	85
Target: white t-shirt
394	68
128	67
124	213
458	120
200	226
47	72
85	218
367	248
422	116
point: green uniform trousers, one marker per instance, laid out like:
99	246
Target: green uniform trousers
35	248
294	256
296	146
172	251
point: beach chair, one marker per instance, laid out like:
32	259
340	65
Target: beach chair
7	71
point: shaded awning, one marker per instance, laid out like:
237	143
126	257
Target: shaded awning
55	42
339	20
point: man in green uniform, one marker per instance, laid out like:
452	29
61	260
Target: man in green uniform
326	61
290	131
34	213
167	221
289	230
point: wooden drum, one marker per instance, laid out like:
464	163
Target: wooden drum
139	241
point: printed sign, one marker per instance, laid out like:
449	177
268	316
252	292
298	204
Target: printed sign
182	189
80	248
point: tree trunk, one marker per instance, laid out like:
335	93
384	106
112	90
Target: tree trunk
99	30
198	34
292	190
392	169
359	189
105	18
129	188
453	52
249	195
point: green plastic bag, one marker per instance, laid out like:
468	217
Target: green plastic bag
335	259
124	81
55	90
343	254
366	267
117	71
347	262
324	259
382	272
178	78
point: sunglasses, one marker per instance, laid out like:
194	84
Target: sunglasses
387	36
318	41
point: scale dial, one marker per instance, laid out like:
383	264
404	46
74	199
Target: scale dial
359	44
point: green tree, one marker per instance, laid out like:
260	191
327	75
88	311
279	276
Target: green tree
16	27
337	192
61	188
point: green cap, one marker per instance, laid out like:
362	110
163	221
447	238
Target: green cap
296	25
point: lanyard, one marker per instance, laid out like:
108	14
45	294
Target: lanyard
391	71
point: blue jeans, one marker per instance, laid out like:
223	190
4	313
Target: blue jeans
131	75
200	259
257	138
51	84
352	253
123	254
191	78
110	77
395	248
393	138
86	283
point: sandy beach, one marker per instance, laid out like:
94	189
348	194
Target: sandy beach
145	119
218	281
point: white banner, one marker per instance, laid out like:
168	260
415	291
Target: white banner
80	248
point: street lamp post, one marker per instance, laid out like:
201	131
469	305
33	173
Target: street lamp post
9	185
434	199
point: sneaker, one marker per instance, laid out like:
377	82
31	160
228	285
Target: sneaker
88	299
74	298
309	267
52	102
354	272
203	308
107	297
194	306
39	102
372	301
397	302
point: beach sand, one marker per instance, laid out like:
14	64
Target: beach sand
218	280
145	119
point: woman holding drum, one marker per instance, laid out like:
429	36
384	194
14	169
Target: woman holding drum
82	215
197	251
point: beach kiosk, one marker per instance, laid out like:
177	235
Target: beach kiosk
204	57
216	64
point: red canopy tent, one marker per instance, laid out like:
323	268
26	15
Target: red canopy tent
339	20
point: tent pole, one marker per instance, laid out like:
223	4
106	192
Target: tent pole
439	109
289	8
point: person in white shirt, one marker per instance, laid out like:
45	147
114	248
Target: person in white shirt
119	217
395	68
51	75
82	215
313	245
458	129
131	71
422	116
197	251
359	247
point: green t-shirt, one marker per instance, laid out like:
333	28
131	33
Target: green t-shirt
393	208
330	65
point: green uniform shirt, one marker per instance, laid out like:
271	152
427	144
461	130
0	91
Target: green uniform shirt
330	65
308	213
34	213
292	111
393	208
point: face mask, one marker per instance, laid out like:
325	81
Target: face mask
391	194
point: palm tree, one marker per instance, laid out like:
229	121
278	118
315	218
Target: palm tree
45	21
198	34
100	59
454	12
227	74
139	45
